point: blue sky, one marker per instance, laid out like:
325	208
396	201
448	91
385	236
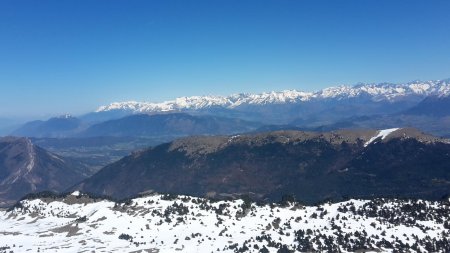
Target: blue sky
72	56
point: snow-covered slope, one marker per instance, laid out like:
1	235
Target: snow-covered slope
163	223
376	92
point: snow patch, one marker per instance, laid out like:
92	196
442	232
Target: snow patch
382	133
76	193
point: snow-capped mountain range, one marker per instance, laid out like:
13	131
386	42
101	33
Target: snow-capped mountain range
375	92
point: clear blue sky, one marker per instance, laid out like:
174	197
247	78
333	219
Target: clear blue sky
72	56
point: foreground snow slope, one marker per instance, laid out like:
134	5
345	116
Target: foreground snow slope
164	223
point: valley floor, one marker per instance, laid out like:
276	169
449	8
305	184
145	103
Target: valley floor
165	223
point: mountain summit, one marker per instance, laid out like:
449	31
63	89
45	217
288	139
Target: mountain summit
26	168
312	166
53	127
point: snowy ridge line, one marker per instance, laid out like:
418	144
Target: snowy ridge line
377	92
166	223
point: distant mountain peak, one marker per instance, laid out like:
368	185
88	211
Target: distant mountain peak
53	127
65	116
